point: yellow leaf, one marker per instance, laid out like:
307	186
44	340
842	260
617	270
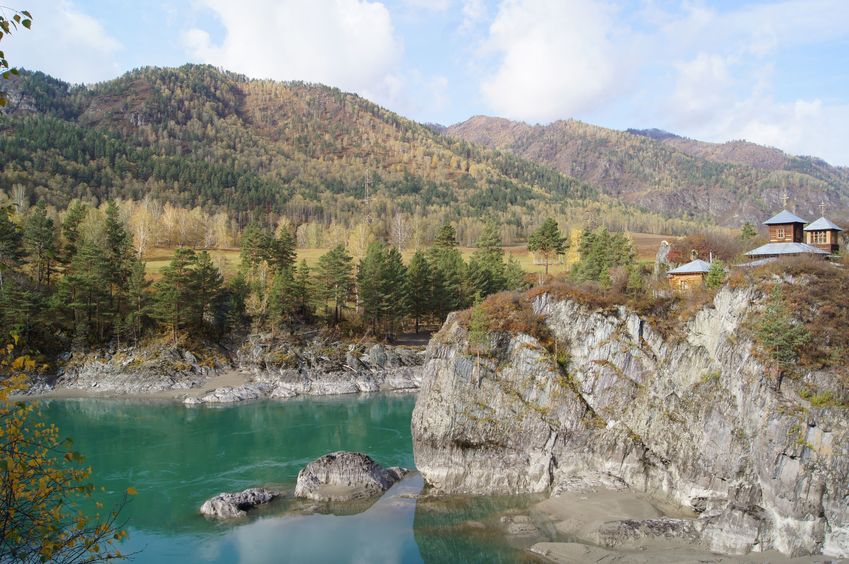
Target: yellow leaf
132	491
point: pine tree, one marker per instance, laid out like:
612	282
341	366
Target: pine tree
235	295
74	216
119	258
716	274
303	290
175	291
448	273
335	279
601	251
420	286
548	242
514	275
395	289
11	248
282	298
283	251
777	333
85	289
446	237
748	232
635	284
370	284
206	283
119	247
486	266
138	301
257	245
40	243
449	280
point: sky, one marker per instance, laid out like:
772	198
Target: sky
771	72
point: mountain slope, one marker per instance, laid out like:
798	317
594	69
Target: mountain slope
730	183
198	136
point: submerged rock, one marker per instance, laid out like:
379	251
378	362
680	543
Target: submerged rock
236	504
344	476
231	394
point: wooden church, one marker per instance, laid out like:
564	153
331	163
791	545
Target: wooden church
789	236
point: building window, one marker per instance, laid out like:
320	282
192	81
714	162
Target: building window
780	233
821	237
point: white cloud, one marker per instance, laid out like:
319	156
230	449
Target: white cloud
433	5
557	58
727	89
800	127
702	88
346	43
412	94
474	11
64	42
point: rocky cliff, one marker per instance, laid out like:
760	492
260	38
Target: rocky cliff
605	399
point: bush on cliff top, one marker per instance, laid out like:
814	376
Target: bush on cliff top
508	312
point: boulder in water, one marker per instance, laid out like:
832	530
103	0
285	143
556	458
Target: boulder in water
344	476
236	504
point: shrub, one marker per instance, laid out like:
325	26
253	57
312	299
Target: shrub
777	333
716	275
722	246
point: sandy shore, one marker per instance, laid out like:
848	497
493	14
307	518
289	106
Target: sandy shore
577	518
226	378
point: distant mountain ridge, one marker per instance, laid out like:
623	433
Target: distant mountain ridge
730	182
198	136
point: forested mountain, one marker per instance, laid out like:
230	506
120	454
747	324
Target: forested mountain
730	182
196	135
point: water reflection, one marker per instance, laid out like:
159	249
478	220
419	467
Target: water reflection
470	527
381	533
178	457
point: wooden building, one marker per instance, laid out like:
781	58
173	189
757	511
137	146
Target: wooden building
690	275
785	227
823	234
786	239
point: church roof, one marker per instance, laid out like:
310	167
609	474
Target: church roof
697	266
822	224
771	249
784	217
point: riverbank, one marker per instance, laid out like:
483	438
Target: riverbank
260	368
229	378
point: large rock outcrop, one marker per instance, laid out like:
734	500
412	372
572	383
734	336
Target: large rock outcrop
345	476
696	419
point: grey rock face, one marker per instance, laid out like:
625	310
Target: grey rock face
695	419
273	369
233	505
133	371
344	476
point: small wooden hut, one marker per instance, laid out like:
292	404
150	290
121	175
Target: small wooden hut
690	275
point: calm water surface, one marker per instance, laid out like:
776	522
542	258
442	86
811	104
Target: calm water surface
177	457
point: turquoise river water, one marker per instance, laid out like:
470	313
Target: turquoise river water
176	457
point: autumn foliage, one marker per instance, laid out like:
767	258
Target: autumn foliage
42	481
